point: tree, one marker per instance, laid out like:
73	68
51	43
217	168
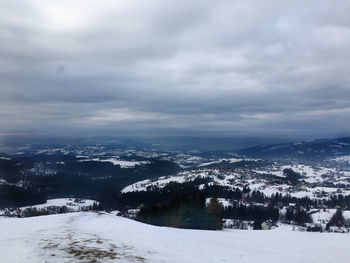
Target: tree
290	174
185	211
337	220
216	210
257	225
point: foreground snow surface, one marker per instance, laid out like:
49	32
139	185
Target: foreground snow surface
100	237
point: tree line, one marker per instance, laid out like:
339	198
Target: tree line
185	211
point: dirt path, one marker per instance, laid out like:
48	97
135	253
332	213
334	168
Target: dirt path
66	244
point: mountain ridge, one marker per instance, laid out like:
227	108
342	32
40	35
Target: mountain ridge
309	149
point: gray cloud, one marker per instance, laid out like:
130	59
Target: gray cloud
191	67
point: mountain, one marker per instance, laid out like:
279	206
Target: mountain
167	143
184	143
312	149
66	140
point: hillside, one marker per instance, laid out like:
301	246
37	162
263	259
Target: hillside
93	237
313	149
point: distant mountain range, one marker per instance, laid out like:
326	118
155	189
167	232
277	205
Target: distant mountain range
312	149
249	146
177	143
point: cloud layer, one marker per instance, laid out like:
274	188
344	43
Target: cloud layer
270	68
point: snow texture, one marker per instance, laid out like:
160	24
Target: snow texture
101	237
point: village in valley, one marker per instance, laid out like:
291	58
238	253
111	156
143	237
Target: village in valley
309	187
306	194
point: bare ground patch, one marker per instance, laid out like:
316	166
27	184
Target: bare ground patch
87	248
87	251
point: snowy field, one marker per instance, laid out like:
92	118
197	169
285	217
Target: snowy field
93	237
114	161
72	203
342	159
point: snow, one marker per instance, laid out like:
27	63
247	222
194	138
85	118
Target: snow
101	237
342	159
160	182
233	179
123	164
2	181
308	171
71	203
323	217
229	160
224	202
285	189
52	151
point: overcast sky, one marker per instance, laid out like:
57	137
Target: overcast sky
225	68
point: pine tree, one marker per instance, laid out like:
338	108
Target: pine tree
337	219
216	210
257	225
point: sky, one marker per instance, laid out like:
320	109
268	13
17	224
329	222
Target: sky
160	68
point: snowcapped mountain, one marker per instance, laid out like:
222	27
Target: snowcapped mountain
313	149
104	237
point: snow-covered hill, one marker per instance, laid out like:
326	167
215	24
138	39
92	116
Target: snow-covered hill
314	180
52	206
101	237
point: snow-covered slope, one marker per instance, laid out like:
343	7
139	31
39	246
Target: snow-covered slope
73	203
115	161
93	237
342	159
